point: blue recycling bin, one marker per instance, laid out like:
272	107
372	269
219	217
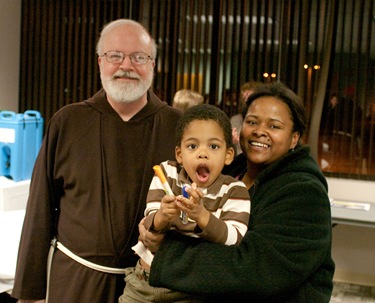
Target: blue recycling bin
20	140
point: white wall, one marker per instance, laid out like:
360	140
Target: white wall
10	34
353	247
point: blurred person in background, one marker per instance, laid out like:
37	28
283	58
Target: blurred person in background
236	120
185	98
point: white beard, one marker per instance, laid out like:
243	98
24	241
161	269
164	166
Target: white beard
126	92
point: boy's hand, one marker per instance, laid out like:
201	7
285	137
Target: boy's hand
168	208
167	213
193	206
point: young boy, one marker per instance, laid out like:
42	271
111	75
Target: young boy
218	206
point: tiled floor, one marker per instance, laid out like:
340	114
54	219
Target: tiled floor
342	293
351	293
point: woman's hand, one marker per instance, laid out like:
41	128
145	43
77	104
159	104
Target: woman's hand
150	240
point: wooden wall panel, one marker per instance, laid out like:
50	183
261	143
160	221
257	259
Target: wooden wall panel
210	46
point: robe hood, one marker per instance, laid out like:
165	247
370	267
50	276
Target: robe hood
100	103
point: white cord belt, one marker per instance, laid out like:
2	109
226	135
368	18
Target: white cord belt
106	269
56	244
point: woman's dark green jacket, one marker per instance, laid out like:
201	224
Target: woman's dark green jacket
284	257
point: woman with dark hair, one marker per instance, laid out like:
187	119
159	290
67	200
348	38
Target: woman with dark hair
285	256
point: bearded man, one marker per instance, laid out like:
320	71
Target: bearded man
91	177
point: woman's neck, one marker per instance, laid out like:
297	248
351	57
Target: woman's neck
251	174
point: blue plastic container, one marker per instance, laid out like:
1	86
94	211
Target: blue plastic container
20	140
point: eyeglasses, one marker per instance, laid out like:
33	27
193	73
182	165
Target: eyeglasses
138	58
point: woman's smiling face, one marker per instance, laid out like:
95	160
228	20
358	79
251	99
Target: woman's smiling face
267	131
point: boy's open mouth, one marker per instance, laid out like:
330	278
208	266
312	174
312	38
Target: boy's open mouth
203	173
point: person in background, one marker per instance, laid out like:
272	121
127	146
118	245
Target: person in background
219	205
236	120
330	122
91	178
341	127
369	136
186	98
285	256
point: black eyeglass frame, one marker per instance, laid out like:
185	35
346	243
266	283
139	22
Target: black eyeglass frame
132	57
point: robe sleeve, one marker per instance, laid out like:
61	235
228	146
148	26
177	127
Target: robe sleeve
39	224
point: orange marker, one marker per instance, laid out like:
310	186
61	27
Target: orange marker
167	188
163	179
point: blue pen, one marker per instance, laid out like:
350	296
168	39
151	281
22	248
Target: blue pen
183	214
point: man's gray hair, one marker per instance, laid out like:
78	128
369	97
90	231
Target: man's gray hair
111	25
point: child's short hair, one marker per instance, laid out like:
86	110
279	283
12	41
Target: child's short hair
185	98
205	112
